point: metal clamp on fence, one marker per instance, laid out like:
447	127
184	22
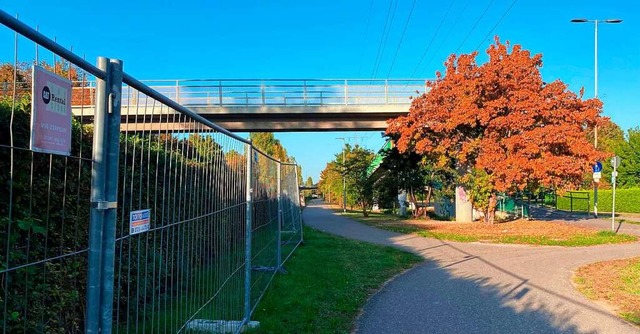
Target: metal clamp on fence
104	205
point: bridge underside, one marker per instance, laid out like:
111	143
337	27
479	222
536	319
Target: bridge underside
261	118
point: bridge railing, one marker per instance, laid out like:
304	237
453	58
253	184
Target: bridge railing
164	230
276	92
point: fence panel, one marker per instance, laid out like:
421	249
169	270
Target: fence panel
264	227
189	265
291	227
180	256
44	204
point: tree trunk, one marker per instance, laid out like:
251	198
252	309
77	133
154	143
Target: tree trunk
364	209
427	200
490	214
412	199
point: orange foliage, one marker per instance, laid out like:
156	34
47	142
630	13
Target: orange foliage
82	94
501	117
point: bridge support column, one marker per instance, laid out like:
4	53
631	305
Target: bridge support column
464	208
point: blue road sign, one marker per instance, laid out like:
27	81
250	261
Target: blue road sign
597	167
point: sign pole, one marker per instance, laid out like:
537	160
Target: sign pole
597	172
615	162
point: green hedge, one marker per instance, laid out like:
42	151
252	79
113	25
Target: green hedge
627	200
48	196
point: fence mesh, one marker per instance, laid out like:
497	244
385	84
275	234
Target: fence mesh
291	227
44	207
190	264
189	179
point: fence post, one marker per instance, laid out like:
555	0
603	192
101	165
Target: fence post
305	92
104	190
299	210
177	91
571	201
346	93
247	236
386	91
280	219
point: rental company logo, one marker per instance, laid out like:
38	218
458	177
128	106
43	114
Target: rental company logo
55	98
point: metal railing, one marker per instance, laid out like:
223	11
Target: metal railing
277	92
224	216
574	201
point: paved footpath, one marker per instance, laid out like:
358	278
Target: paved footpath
479	288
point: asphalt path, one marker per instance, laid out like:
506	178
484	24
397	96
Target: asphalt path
479	288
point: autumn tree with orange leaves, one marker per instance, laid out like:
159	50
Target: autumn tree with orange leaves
501	126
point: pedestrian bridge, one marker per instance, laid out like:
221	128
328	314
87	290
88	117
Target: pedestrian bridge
281	105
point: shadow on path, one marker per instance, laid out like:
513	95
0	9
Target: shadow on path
427	299
479	288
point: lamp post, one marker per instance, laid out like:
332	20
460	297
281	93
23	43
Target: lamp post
344	183
595	90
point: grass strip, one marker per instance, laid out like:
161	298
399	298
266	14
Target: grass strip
515	232
329	280
615	282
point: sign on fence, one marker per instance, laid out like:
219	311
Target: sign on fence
50	113
139	221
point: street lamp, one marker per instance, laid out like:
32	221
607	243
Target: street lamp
595	90
344	183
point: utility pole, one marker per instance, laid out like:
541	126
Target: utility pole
595	76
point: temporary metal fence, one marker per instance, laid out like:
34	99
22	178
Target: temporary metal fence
224	216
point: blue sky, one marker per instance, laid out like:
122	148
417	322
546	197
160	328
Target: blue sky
341	39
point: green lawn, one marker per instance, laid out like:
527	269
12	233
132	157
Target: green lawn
615	282
631	286
576	240
329	280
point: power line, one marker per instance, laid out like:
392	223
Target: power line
474	25
432	39
497	23
385	38
455	23
366	37
406	24
386	21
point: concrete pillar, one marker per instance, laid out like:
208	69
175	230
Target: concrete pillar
402	201
464	209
